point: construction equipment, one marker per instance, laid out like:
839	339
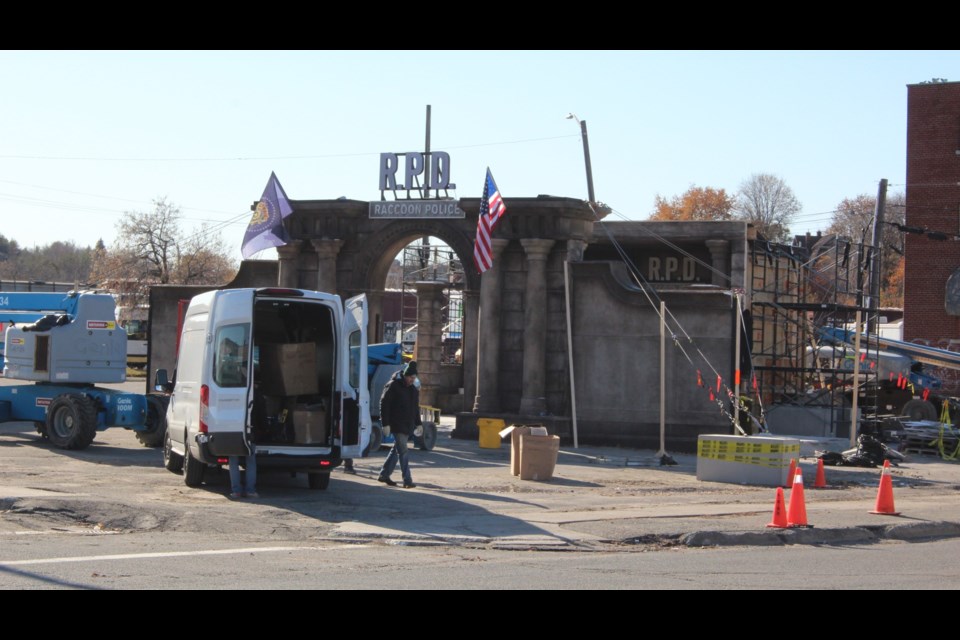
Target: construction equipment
65	343
907	387
384	360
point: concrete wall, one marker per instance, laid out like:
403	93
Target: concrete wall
617	359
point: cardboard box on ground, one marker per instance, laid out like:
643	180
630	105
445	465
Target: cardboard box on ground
533	453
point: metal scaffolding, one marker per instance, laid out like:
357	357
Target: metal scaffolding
430	259
796	292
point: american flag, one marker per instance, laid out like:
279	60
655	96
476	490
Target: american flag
491	210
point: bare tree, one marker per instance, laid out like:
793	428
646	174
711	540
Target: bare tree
204	259
150	240
853	220
150	249
769	204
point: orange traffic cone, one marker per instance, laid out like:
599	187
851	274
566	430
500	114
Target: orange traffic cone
797	512
792	472
779	512
884	506
821	481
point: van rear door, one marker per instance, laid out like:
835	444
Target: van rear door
354	394
230	372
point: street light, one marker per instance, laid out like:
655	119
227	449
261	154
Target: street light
586	154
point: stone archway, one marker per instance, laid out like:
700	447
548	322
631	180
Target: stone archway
337	247
374	260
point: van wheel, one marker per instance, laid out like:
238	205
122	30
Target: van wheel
192	468
172	461
429	437
156	424
920	410
318	481
71	421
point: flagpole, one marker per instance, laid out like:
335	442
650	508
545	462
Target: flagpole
476	397
573	387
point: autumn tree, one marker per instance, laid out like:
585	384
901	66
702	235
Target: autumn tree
696	203
151	249
892	293
769	204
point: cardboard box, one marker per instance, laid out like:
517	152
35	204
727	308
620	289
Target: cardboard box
745	459
310	424
538	456
514	431
289	369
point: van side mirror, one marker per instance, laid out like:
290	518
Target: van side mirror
161	382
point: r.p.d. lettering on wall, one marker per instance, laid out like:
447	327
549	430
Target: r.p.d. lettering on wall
671	269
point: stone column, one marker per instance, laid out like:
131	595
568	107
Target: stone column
289	255
327	251
533	398
375	317
719	254
471	307
738	268
429	329
488	400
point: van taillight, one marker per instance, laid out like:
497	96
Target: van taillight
204	407
324	463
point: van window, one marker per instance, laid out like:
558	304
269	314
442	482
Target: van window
230	357
355	359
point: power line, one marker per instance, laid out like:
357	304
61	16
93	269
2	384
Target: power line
271	158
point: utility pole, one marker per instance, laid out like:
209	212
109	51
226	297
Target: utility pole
586	155
874	300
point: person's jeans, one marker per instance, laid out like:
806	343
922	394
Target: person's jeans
251	484
399	450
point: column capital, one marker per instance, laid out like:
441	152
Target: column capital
325	247
290	250
429	286
717	245
497	245
575	249
537	248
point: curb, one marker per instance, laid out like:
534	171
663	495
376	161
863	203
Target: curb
911	531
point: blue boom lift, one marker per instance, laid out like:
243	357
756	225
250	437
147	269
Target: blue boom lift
64	344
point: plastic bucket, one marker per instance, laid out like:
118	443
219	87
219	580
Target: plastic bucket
490	429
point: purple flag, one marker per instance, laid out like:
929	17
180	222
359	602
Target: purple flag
266	226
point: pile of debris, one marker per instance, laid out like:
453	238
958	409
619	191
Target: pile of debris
870	453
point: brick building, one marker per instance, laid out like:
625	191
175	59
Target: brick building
932	277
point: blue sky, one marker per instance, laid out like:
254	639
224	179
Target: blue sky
85	136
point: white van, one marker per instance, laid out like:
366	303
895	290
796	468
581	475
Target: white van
284	369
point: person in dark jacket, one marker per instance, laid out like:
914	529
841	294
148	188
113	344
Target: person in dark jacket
400	410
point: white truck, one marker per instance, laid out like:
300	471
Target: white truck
282	369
